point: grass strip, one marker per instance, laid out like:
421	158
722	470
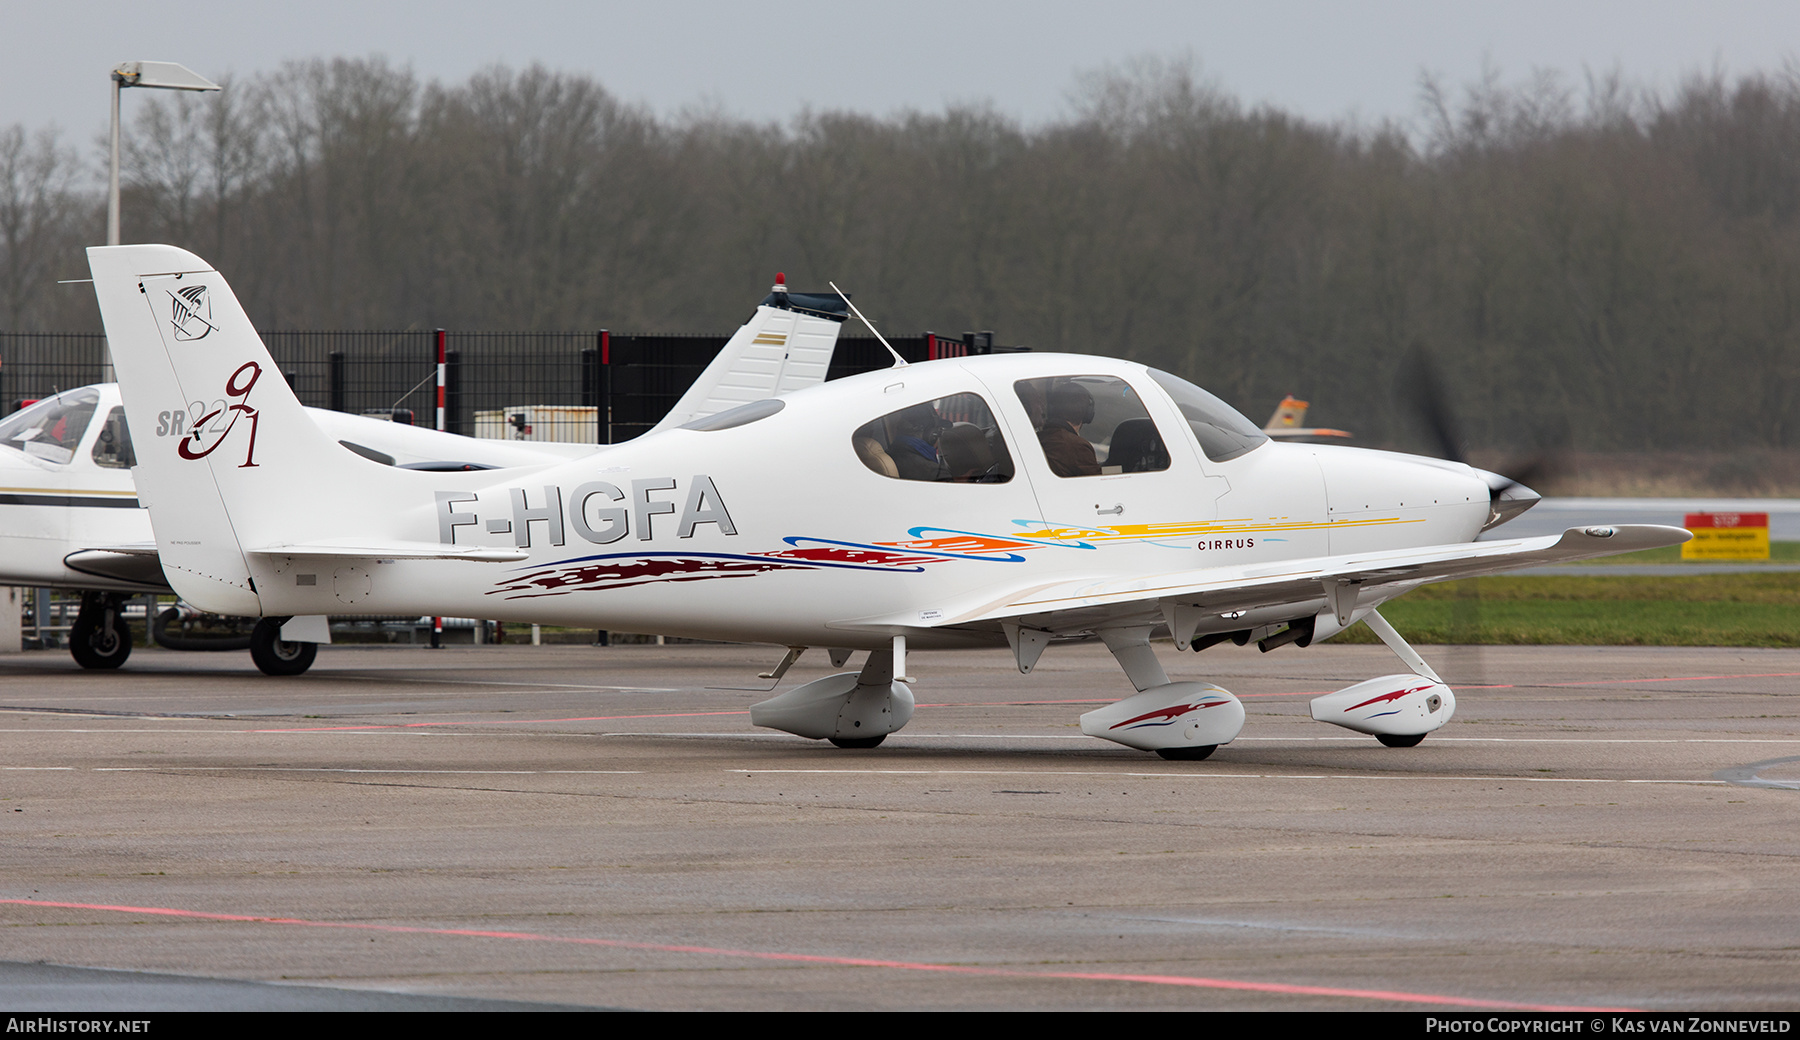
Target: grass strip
1689	610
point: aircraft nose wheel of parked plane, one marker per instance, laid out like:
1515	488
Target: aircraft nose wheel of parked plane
1400	739
100	637
276	656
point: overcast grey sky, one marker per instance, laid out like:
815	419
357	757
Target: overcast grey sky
767	61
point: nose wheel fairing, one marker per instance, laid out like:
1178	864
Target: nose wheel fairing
1399	706
850	709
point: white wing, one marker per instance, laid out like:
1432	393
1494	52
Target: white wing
1280	590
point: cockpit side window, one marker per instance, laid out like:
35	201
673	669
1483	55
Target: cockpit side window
1222	430
112	449
953	440
1091	426
51	429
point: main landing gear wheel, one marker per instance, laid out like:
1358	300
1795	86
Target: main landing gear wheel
1187	754
276	656
858	742
1398	740
100	637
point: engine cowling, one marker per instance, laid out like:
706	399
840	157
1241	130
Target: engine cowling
1404	705
1174	715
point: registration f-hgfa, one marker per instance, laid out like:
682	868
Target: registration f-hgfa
998	501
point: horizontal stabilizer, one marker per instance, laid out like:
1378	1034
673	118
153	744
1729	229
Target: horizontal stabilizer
136	563
406	445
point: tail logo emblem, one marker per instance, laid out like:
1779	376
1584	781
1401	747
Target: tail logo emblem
190	312
237	386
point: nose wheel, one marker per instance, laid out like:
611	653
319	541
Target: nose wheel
1400	739
858	742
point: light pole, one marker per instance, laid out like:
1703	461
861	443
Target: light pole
164	74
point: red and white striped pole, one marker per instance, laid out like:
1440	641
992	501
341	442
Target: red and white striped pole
440	379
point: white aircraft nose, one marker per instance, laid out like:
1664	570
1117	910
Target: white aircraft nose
1507	498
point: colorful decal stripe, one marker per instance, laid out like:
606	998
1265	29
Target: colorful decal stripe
1196	528
925	545
626	570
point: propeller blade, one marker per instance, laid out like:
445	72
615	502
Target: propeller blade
1421	393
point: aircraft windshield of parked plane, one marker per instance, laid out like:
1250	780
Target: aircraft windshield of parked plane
1012	501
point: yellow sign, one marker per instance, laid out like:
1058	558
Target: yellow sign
1727	536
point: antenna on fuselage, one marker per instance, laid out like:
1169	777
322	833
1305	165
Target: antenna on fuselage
899	362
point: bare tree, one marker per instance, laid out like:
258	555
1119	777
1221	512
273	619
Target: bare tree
1617	267
40	225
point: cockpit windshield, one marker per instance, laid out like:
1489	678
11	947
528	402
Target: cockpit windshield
1223	432
52	428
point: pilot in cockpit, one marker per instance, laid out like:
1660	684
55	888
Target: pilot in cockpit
1069	407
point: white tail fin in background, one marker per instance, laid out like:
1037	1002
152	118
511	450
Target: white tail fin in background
785	346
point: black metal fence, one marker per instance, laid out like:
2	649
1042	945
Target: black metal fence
38	364
600	387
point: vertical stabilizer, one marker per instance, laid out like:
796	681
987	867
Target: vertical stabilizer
215	423
786	345
1289	424
1289	414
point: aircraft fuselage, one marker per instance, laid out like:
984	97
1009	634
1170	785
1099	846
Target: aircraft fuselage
701	532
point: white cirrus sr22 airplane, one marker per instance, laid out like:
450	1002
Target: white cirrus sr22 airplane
996	501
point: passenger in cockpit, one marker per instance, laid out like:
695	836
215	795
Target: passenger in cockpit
914	446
